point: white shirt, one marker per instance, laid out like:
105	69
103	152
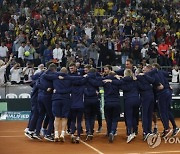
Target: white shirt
21	51
58	54
144	52
88	31
3	51
16	74
175	74
2	72
29	72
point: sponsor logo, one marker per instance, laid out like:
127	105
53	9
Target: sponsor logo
155	140
23	115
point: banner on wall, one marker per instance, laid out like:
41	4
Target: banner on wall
22	115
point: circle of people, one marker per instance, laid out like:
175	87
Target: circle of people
64	97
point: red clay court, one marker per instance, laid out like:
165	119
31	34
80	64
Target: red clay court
13	141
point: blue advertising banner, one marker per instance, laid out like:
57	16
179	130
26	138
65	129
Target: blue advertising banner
22	115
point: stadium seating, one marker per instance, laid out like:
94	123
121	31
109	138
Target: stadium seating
11	95
24	95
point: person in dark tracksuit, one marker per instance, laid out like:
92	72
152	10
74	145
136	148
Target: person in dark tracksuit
45	104
98	114
120	72
34	107
60	102
147	101
112	102
164	102
77	105
147	71
131	101
91	101
112	106
72	72
176	129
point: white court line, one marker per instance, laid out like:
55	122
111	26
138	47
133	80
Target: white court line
91	147
11	131
162	152
10	136
155	152
133	153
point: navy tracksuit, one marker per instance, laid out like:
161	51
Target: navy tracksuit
135	125
131	101
74	89
61	95
77	103
112	105
45	103
147	100
90	103
164	96
166	86
34	103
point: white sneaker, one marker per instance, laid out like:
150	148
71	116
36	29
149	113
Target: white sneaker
26	130
133	135
130	137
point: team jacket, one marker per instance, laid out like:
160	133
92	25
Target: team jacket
62	88
44	84
129	86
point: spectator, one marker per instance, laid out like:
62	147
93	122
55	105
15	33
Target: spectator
21	52
93	53
125	53
153	53
3	67
58	54
16	71
40	69
136	54
92	63
144	51
28	71
144	39
163	51
175	74
3	51
48	54
30	49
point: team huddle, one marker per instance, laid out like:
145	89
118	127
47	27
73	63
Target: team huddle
60	100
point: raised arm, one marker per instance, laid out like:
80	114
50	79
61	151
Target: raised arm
53	76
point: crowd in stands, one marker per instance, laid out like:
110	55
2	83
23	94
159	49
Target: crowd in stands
92	32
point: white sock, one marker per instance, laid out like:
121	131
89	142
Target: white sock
56	134
62	133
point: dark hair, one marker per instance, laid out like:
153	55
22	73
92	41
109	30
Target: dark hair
92	70
156	65
52	67
109	67
130	60
48	63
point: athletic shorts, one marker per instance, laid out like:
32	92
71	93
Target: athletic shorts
61	108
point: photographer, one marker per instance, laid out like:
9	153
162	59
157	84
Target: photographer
28	71
16	71
3	67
